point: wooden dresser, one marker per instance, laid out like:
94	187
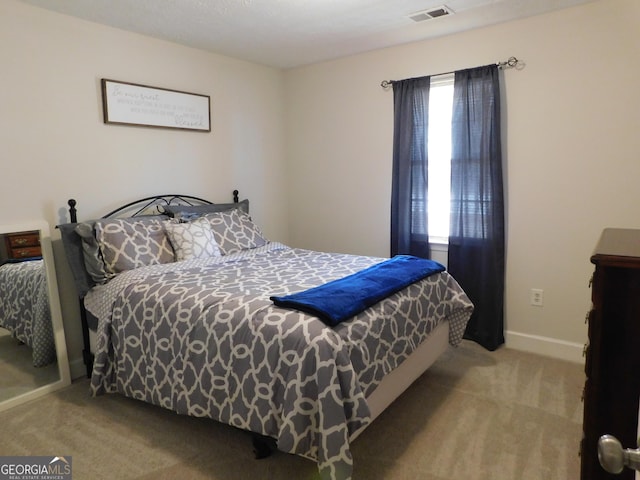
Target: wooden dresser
612	387
23	245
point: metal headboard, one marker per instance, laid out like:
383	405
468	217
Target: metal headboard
143	205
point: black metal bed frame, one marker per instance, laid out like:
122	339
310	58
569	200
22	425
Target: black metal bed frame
141	207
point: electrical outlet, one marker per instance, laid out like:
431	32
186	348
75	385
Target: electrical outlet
537	297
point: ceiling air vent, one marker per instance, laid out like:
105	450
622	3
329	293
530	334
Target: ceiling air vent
436	12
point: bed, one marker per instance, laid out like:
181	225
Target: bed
182	314
24	308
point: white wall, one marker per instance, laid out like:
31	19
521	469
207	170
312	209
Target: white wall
54	144
571	152
571	147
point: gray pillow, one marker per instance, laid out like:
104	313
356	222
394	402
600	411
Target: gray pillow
93	261
83	252
129	243
189	212
73	249
234	231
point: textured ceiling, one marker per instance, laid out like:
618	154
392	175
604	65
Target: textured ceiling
290	33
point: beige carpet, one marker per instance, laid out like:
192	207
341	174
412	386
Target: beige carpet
501	415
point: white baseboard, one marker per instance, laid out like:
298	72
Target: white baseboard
549	347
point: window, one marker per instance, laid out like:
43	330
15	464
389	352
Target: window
439	187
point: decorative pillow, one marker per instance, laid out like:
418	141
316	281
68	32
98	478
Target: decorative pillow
234	231
194	211
192	239
129	243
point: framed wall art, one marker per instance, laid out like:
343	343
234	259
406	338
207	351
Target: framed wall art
127	103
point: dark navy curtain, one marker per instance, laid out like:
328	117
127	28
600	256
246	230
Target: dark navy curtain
477	232
409	185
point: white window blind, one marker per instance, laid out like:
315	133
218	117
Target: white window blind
439	134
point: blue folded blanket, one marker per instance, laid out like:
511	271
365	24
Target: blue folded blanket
340	299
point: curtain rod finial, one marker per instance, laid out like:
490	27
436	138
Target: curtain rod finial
511	62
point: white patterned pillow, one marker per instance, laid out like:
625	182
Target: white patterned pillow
192	239
234	231
131	243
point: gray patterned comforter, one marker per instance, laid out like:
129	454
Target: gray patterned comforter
202	338
24	308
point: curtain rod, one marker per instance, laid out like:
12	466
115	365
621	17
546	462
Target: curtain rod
511	62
